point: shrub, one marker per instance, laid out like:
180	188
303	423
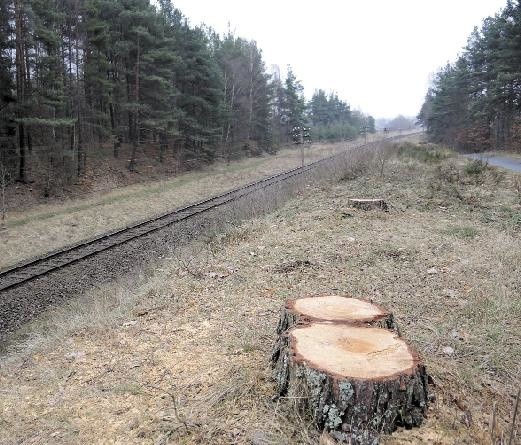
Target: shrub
428	153
447	174
476	167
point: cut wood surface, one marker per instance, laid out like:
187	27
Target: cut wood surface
368	204
334	308
356	382
348	351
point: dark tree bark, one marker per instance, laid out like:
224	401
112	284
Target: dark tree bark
355	382
20	87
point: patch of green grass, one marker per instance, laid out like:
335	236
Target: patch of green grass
516	219
488	217
511	218
508	217
462	232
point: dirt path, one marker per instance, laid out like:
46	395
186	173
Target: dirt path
182	357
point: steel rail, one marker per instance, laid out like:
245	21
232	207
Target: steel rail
39	266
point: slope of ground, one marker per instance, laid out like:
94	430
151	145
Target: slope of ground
182	357
35	231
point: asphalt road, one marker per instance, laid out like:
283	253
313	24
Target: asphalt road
498	161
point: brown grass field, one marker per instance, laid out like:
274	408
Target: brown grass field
49	226
182	356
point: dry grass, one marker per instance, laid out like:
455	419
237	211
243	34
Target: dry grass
47	227
182	357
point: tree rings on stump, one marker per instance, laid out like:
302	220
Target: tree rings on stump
336	309
356	382
368	204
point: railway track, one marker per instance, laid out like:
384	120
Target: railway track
38	267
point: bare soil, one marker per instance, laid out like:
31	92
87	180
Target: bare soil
182	357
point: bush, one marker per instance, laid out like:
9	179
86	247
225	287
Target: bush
424	153
476	167
447	174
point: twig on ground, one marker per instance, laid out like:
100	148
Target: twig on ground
174	403
493	422
511	439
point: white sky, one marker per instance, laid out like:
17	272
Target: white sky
377	54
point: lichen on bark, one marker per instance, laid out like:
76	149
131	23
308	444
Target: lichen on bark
351	410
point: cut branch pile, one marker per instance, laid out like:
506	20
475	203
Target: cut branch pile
340	361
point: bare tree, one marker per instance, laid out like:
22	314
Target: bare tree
383	153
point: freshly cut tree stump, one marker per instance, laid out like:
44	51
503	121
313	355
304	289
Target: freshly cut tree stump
368	204
336	309
356	382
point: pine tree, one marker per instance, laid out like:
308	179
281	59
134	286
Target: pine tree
332	118
79	75
475	102
199	82
7	91
159	93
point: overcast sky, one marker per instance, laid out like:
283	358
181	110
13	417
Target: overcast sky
378	55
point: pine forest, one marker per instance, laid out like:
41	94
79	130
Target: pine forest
85	80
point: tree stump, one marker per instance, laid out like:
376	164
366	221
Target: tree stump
368	204
336	309
355	382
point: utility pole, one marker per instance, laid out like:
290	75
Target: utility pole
364	130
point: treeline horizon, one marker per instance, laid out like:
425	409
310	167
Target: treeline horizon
84	77
475	102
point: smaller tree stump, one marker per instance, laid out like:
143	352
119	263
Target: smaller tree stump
355	382
336	309
368	204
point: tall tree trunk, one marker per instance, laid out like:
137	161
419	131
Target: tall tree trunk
79	142
130	113
228	128
20	88
162	147
224	98
27	92
72	132
135	139
116	138
250	99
